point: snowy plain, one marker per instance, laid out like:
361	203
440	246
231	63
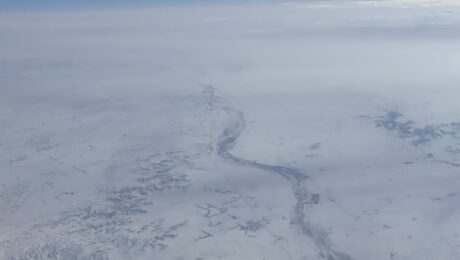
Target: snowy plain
319	130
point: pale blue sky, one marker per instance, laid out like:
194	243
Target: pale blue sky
90	4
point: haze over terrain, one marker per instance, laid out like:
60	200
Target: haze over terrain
262	130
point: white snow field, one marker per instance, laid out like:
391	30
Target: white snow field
299	131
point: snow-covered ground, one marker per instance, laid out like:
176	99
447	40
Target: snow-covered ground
321	130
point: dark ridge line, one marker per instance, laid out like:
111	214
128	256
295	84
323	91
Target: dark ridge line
392	122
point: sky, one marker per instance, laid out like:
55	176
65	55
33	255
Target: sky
56	4
65	5
27	5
